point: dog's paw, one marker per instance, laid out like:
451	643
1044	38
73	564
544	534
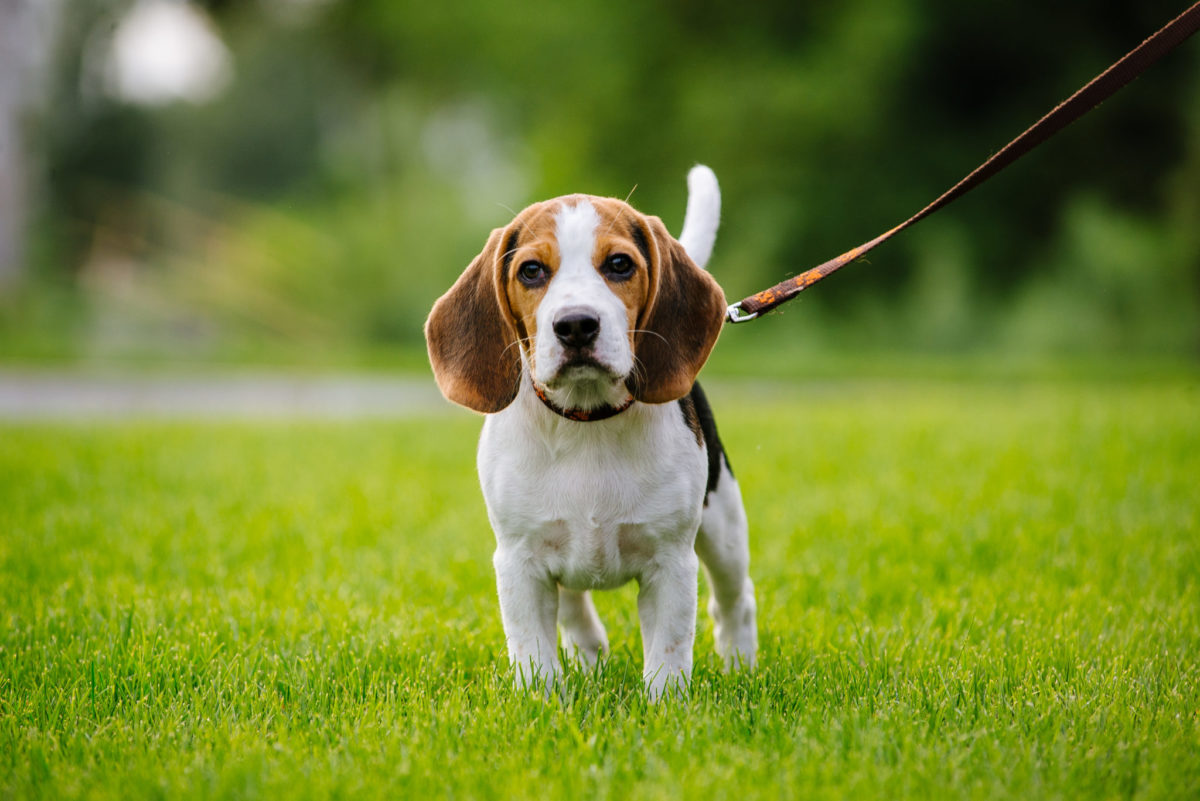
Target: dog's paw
585	644
664	684
545	679
735	631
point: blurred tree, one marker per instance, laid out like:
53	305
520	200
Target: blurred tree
25	37
364	148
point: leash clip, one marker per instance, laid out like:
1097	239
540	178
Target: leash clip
734	314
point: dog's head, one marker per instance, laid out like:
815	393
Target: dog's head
597	299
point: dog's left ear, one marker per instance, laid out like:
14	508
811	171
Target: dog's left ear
472	343
680	324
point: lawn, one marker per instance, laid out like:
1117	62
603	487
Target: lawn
967	588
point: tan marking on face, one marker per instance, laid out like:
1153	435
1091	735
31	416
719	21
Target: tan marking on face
618	221
535	241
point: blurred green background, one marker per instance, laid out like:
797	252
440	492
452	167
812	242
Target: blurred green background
295	181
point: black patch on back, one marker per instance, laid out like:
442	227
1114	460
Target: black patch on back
698	416
690	418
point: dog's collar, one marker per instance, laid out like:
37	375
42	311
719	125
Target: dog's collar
581	415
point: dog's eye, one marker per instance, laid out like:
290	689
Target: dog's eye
619	266
532	273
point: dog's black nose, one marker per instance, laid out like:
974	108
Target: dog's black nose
576	328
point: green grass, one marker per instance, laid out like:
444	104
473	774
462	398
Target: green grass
967	589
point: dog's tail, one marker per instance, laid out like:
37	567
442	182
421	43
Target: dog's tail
703	215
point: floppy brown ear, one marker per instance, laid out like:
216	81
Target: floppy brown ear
680	325
472	343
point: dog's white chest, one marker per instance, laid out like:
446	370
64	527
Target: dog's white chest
592	507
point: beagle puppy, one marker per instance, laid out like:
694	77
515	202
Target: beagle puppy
579	331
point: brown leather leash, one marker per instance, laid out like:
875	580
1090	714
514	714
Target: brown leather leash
1099	89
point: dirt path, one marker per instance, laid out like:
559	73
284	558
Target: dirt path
68	395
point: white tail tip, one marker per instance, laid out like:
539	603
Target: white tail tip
703	215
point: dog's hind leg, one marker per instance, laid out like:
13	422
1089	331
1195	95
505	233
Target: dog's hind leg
583	634
724	549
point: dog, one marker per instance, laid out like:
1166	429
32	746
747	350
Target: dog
579	331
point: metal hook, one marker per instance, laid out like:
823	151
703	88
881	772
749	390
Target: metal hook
734	314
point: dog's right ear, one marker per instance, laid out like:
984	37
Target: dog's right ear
472	343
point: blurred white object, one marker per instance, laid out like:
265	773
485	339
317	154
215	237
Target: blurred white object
164	51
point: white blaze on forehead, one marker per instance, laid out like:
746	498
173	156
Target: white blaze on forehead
575	229
578	286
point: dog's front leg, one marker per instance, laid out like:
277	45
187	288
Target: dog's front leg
528	608
667	612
